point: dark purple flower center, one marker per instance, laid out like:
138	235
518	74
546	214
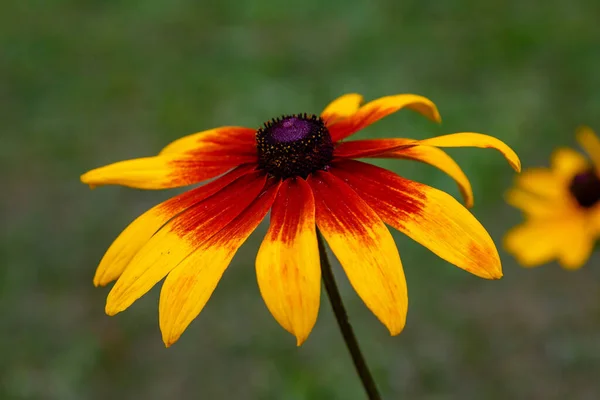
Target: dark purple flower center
294	145
585	188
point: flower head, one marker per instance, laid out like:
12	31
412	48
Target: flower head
298	167
561	205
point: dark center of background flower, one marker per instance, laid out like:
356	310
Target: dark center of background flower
585	187
294	145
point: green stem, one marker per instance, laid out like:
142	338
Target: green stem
342	319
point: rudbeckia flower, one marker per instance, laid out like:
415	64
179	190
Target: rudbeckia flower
299	167
561	205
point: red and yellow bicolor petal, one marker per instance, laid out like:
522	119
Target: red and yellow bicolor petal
189	286
378	147
441	160
185	161
539	241
365	248
342	107
127	244
591	144
179	238
226	141
397	148
377	109
159	172
427	215
287	264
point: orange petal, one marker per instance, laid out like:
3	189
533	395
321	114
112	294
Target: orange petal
225	141
342	107
377	109
590	143
471	139
189	286
396	148
364	247
122	250
176	240
287	264
161	172
427	215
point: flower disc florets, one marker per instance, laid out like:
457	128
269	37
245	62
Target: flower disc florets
294	145
585	188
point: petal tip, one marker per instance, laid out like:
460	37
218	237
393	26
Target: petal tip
100	280
395	330
169	335
111	311
85	179
300	340
169	341
112	306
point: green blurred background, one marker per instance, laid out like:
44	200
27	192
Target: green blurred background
84	83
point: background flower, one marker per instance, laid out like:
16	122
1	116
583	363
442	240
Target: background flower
86	83
561	205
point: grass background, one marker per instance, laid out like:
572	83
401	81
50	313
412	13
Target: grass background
84	83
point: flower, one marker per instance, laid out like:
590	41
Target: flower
561	205
299	167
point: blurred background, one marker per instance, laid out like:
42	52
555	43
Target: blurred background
85	83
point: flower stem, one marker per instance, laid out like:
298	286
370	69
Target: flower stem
342	319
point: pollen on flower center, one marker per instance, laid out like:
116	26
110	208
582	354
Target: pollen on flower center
294	145
585	188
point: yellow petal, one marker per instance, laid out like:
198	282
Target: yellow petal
567	238
189	286
176	240
577	241
364	247
542	182
532	204
377	109
287	264
590	143
566	163
439	159
471	139
122	250
222	141
532	244
427	215
342	107
160	172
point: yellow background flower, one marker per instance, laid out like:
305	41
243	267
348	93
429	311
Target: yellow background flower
561	205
